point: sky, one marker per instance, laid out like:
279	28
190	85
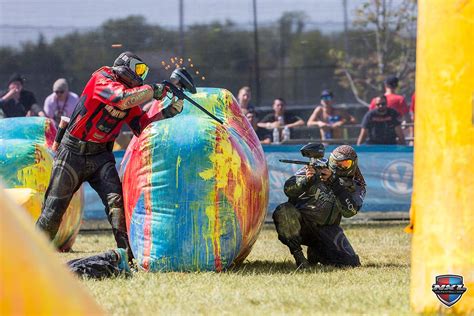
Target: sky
22	20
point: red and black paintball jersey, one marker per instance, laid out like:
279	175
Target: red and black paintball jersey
105	104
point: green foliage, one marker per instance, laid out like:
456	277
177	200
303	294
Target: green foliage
383	44
221	51
294	62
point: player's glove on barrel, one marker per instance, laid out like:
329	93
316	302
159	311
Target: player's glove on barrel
174	108
159	91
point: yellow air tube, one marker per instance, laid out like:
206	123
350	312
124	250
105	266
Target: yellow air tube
32	280
443	199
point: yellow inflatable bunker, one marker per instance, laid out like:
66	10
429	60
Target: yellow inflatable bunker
32	281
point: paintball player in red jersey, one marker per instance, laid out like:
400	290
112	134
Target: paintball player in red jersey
112	97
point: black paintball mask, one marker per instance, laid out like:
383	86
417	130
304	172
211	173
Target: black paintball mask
130	69
343	161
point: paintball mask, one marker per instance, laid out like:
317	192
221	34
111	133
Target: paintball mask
343	161
130	69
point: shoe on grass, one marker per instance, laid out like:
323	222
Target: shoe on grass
123	260
301	261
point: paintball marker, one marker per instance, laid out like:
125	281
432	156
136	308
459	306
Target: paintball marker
315	153
181	76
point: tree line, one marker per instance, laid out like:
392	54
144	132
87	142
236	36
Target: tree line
295	62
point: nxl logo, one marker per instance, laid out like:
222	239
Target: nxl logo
449	288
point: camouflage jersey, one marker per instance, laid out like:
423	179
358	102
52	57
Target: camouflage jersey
324	203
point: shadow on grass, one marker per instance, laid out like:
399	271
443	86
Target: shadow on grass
385	265
272	267
289	267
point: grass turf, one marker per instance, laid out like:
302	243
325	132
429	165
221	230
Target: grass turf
267	282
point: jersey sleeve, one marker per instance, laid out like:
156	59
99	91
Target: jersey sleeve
297	184
111	92
137	119
348	202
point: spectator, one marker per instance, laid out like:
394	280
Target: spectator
244	98
328	119
279	118
16	101
263	134
61	102
394	101
381	125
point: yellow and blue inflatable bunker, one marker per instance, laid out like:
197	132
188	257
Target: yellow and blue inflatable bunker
195	191
25	169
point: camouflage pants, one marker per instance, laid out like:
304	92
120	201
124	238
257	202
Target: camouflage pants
326	244
70	170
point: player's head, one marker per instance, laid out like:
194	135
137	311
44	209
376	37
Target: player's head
130	69
381	103
343	161
391	82
327	97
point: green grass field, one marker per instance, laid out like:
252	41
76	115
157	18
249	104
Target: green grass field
267	283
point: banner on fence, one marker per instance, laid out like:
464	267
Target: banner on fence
388	171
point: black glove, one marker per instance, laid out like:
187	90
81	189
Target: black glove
173	109
159	91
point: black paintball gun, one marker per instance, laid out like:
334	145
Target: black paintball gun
181	76
315	153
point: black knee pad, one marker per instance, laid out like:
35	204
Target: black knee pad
282	210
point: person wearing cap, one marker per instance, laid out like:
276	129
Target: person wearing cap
317	200
61	102
16	101
112	97
394	101
381	126
327	118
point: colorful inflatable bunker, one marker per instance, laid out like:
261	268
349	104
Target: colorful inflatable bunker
195	191
25	168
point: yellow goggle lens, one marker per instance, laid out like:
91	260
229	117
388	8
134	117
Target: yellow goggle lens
141	70
344	164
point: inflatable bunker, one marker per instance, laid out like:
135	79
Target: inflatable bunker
195	191
25	168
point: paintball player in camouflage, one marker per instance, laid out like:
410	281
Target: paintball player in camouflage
317	201
112	97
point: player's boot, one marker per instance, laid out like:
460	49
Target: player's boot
301	261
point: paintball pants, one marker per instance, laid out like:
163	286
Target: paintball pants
326	244
75	163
